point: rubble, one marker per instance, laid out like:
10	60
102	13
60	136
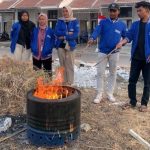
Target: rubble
85	127
5	124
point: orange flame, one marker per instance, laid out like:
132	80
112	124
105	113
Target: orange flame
59	79
52	91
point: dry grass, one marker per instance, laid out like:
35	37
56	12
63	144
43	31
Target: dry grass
15	80
110	124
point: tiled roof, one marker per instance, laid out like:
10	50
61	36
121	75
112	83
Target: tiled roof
26	4
38	3
6	4
106	2
45	3
75	4
81	4
127	1
95	4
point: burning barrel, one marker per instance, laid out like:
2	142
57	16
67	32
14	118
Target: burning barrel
53	115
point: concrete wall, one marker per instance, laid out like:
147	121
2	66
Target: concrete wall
124	19
12	17
134	14
34	15
9	19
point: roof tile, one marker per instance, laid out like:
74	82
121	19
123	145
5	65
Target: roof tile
6	4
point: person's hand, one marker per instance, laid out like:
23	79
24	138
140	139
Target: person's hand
90	42
70	33
119	45
148	59
61	38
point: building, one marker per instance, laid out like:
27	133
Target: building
127	10
86	11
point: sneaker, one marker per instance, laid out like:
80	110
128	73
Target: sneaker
98	99
111	98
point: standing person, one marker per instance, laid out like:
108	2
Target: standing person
139	35
21	37
42	43
67	29
110	31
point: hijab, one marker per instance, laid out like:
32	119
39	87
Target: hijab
20	17
46	18
70	11
26	29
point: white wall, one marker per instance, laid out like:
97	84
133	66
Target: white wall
0	23
134	14
34	15
9	18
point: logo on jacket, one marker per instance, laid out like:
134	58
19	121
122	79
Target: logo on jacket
48	36
117	31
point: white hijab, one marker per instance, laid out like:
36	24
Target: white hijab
70	14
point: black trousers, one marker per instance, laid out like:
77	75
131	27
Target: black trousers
136	67
46	64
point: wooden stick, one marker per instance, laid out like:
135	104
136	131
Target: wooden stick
140	139
109	54
12	135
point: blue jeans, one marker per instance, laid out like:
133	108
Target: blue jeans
136	67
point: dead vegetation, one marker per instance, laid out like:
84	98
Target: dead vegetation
110	124
15	80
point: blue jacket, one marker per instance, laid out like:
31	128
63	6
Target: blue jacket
132	35
14	35
62	30
48	43
110	34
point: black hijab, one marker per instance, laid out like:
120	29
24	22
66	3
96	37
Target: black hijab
24	38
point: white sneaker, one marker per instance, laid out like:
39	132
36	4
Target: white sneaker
111	98
98	99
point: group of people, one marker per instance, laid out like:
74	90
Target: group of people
113	33
27	39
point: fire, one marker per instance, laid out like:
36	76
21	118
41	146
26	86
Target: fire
59	79
53	91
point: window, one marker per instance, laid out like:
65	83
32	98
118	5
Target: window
52	14
125	12
94	16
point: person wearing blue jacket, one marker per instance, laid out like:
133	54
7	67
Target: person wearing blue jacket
139	35
21	37
42	43
110	31
66	31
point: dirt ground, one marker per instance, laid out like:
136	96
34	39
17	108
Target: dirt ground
110	124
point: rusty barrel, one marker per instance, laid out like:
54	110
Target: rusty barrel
53	123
